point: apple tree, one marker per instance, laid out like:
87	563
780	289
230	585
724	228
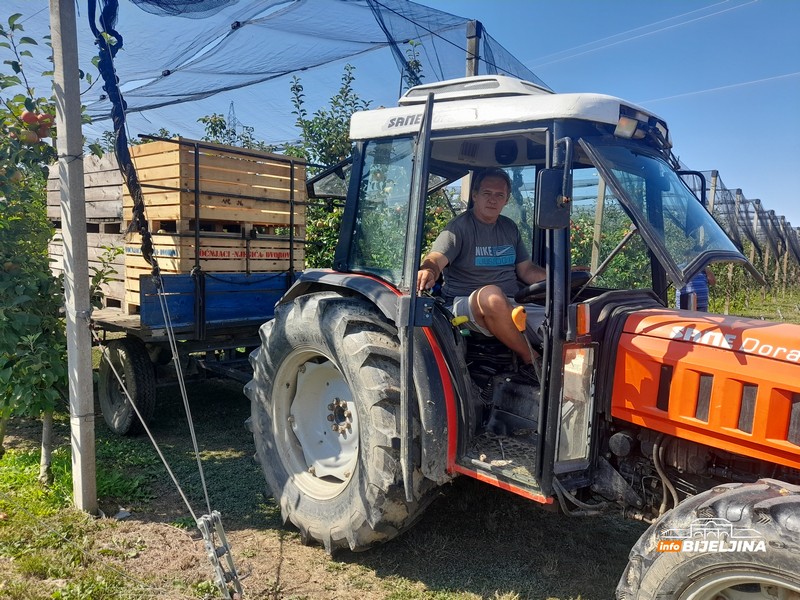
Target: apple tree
33	373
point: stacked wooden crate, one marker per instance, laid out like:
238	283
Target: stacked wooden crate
251	215
104	227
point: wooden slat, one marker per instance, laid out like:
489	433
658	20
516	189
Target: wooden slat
177	255
187	149
215	208
151	148
108	193
257	186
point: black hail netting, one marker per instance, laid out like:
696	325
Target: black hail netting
254	42
749	221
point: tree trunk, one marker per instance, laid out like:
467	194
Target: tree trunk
45	470
3	423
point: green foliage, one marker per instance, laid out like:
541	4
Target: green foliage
220	130
103	274
32	343
325	140
44	536
18	483
413	74
630	268
325	135
106	142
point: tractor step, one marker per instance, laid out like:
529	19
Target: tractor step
511	457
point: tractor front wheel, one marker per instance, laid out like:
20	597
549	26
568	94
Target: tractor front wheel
734	542
325	404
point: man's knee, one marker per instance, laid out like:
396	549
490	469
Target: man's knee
489	301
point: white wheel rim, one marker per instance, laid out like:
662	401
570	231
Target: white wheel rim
742	584
316	424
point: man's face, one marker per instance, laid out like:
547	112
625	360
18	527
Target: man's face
489	199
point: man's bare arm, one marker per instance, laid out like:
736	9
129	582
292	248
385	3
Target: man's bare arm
430	269
529	272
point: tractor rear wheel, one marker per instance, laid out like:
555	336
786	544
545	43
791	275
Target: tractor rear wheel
744	544
325	416
131	361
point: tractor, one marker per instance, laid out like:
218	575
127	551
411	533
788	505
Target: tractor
367	396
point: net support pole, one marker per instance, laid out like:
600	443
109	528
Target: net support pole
736	199
76	262
474	35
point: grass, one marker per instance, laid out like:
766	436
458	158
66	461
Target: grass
474	543
46	539
772	305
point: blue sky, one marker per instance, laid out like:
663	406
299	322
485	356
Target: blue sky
725	75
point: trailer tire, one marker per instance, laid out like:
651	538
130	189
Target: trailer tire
132	362
325	401
767	511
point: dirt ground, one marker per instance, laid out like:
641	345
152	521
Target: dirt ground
473	542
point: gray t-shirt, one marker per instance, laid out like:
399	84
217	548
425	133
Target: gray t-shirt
479	254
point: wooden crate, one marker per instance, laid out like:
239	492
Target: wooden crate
252	188
103	190
98	236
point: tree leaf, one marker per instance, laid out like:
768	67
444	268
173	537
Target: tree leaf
28	40
96	149
13	19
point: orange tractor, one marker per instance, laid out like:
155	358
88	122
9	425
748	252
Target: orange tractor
367	396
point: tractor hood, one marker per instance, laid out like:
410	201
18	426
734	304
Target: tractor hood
777	341
724	382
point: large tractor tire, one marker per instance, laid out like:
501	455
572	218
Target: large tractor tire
132	362
325	416
767	511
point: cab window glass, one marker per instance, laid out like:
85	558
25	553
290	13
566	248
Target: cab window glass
599	224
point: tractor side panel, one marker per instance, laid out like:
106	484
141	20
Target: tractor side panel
724	382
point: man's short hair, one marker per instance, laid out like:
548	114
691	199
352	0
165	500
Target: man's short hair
491	172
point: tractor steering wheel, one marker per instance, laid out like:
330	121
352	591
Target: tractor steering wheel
535	291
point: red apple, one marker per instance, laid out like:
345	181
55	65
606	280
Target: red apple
46	120
29	117
43	132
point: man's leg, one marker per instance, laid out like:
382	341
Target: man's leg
492	311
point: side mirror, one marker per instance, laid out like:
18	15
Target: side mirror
552	208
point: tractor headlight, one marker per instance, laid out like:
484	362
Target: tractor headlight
577	408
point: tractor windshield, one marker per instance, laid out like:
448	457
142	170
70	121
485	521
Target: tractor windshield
671	220
379	240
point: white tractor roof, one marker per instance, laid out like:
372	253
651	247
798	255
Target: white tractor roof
484	101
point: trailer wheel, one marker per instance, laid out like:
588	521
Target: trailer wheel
739	567
132	362
325	400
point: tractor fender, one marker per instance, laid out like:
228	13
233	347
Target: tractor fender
435	390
